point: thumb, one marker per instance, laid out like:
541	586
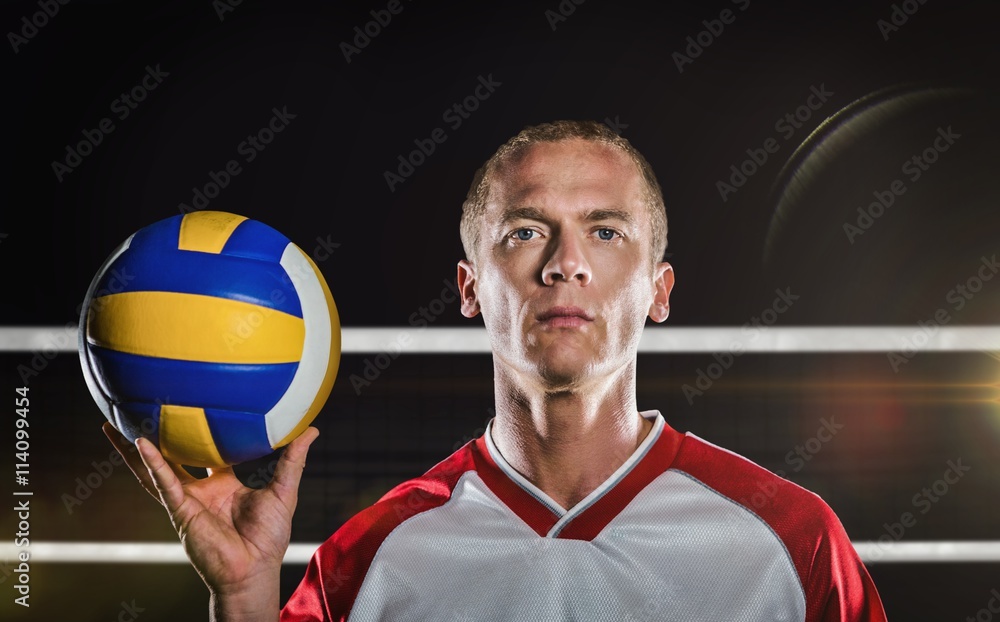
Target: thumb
288	473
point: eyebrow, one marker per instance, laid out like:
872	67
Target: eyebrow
609	214
533	213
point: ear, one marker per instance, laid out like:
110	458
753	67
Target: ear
663	282
466	282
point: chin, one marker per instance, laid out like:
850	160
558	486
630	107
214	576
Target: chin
564	373
560	383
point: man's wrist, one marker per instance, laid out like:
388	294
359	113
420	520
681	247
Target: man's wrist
256	600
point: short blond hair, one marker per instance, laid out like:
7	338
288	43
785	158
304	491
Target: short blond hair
479	192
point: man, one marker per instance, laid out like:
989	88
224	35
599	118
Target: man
573	505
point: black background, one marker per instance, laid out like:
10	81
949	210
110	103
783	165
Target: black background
322	178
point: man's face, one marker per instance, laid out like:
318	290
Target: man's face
564	276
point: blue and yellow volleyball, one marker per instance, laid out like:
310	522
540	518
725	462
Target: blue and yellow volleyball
212	335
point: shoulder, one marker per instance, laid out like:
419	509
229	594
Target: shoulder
789	509
834	580
799	518
338	567
367	529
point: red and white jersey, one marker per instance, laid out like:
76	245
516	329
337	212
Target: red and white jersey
684	530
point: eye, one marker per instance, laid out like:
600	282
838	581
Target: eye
523	235
606	234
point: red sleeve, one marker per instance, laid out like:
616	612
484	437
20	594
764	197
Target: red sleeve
836	584
839	588
309	601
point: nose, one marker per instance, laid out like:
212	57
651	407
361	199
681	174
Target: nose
568	262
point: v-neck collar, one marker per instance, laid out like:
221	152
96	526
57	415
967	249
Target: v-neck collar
591	514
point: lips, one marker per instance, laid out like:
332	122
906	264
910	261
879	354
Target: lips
565	316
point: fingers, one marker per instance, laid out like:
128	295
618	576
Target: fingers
130	454
166	479
289	470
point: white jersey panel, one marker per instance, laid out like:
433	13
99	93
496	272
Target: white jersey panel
678	551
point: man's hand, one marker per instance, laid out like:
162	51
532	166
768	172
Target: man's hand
235	536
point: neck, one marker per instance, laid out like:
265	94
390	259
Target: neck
567	442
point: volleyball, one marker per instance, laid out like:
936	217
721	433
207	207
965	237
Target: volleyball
212	335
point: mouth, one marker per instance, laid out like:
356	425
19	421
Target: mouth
564	317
